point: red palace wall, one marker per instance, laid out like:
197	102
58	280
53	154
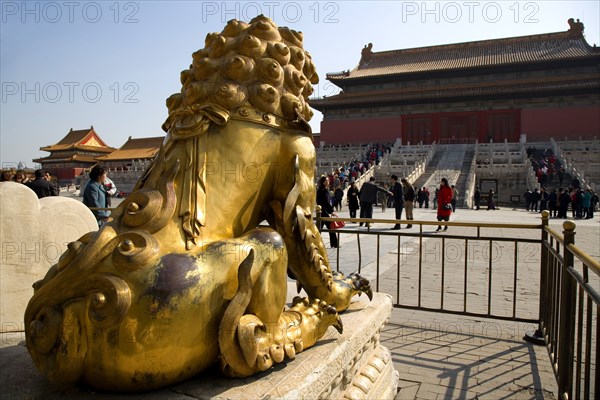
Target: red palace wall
539	124
361	130
543	123
65	174
452	127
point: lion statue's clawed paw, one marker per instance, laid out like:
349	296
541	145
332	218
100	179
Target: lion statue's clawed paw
263	345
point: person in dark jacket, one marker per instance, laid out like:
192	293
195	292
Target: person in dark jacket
552	203
352	196
338	196
477	198
409	200
421	197
564	199
454	200
528	197
491	204
41	186
593	202
368	197
324	200
398	196
578	203
535	200
543	199
48	177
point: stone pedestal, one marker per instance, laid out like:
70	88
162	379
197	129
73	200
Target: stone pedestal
353	365
33	235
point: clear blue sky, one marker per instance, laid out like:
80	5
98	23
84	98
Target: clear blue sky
72	64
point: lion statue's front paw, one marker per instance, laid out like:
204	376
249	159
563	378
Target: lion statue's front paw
345	287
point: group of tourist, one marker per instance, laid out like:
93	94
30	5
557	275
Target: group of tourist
490	199
401	192
423	197
582	202
342	176
404	198
546	166
42	184
375	152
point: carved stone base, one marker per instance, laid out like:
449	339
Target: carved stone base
353	365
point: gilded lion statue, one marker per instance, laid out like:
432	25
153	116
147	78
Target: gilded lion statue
191	269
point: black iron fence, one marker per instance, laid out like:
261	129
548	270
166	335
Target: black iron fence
486	270
569	308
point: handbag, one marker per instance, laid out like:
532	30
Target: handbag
336	224
447	206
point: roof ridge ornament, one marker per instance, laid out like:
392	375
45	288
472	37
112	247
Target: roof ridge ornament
366	54
575	28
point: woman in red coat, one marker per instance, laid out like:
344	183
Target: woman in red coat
444	209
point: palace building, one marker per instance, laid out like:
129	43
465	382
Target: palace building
76	152
539	86
132	153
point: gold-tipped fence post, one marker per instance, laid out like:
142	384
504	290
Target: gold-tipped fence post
566	328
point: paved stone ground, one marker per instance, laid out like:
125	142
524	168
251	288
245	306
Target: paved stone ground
445	356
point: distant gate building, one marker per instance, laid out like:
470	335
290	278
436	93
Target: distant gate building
76	152
543	86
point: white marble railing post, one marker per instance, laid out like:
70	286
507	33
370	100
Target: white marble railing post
471	183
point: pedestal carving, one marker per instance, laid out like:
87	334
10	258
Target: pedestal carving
353	365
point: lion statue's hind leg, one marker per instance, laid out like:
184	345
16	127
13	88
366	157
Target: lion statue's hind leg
255	332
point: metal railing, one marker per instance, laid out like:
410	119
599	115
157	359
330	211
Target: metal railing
566	307
569	308
427	255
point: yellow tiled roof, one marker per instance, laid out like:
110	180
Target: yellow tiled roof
135	149
487	53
